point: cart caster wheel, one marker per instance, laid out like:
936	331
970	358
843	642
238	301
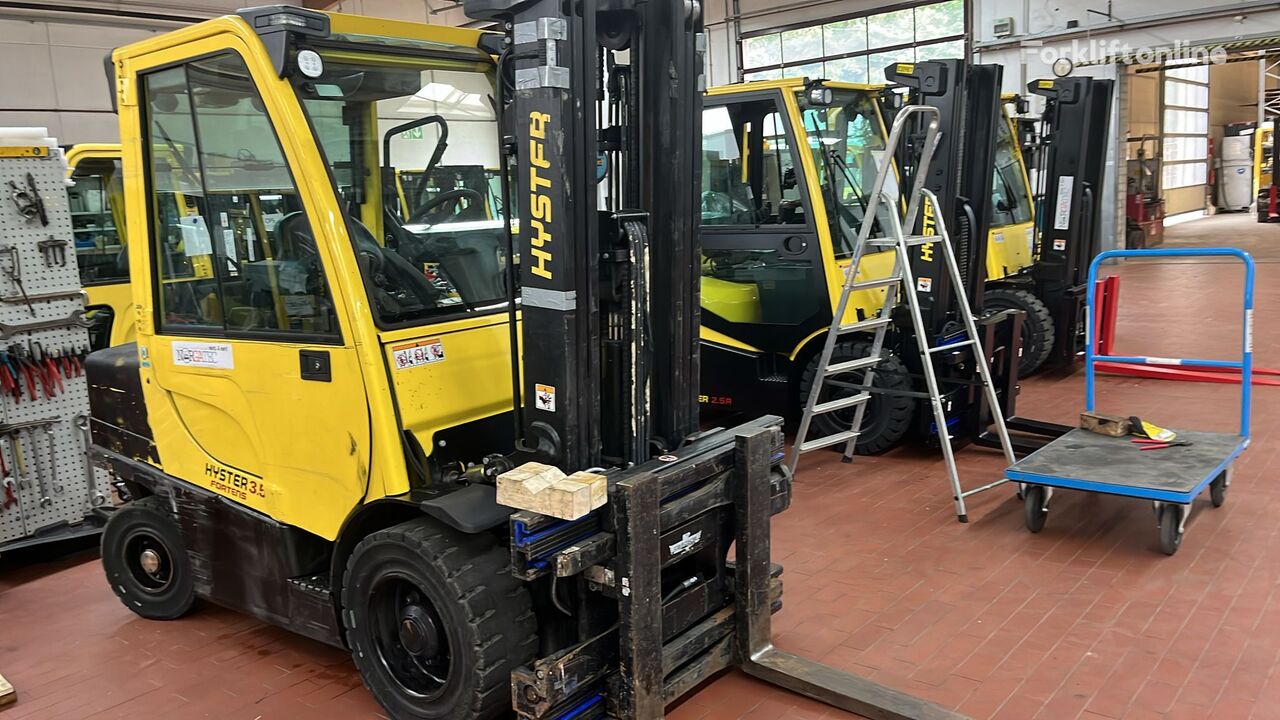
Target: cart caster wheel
1170	528
1033	502
1218	490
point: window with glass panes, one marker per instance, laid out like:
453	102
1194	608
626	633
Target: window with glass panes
1186	126
857	48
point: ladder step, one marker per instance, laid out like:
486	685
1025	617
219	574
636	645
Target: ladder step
910	240
874	323
848	365
951	346
840	403
873	284
829	440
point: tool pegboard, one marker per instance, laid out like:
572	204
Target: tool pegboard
48	487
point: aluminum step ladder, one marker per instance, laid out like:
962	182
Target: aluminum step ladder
900	277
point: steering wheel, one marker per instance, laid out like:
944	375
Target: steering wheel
454	196
716	203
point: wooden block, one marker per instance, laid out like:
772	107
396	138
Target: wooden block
1111	425
545	489
7	694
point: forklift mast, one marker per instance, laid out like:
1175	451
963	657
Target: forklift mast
1074	137
609	318
967	97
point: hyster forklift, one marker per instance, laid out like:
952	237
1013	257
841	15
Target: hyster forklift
1070	162
786	168
310	426
97	214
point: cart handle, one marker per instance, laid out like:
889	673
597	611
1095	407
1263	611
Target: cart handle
1244	365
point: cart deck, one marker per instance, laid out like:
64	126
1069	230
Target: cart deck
1083	460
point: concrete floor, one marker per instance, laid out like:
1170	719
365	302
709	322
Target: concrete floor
1084	620
1237	230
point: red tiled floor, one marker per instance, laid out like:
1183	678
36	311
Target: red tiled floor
1086	620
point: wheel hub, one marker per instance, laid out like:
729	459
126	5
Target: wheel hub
418	632
150	562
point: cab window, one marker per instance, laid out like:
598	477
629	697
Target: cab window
1010	200
760	257
232	248
736	190
97	216
409	140
848	146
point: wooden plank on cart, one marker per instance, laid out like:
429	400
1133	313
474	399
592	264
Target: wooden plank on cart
8	695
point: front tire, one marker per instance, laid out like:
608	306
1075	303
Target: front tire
1038	332
1033	510
436	622
887	418
145	560
1170	527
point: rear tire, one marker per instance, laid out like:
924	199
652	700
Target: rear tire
1038	332
1218	489
436	622
146	562
887	418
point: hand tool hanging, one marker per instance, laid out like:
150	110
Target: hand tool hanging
28	200
54	251
10	487
50	436
14	272
49	376
20	459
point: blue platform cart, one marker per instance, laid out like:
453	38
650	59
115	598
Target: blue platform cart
1171	477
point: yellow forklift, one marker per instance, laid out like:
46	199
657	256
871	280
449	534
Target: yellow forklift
315	415
101	237
778	236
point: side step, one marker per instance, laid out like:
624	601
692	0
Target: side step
828	440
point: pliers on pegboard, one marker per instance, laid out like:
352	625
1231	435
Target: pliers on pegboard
10	377
43	365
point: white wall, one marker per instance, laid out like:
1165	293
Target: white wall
51	61
1041	32
436	12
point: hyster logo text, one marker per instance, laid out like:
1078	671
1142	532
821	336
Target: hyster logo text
928	226
539	202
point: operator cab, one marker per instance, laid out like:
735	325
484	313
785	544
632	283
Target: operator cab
773	257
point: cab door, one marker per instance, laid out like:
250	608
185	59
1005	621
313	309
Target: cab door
763	282
253	386
97	216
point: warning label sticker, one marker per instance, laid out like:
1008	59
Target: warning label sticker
423	352
544	397
1060	244
924	284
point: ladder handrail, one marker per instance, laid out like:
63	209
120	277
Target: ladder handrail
931	140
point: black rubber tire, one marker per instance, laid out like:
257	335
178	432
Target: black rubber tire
1033	507
887	418
1218	489
1170	535
140	525
484	613
1038	332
